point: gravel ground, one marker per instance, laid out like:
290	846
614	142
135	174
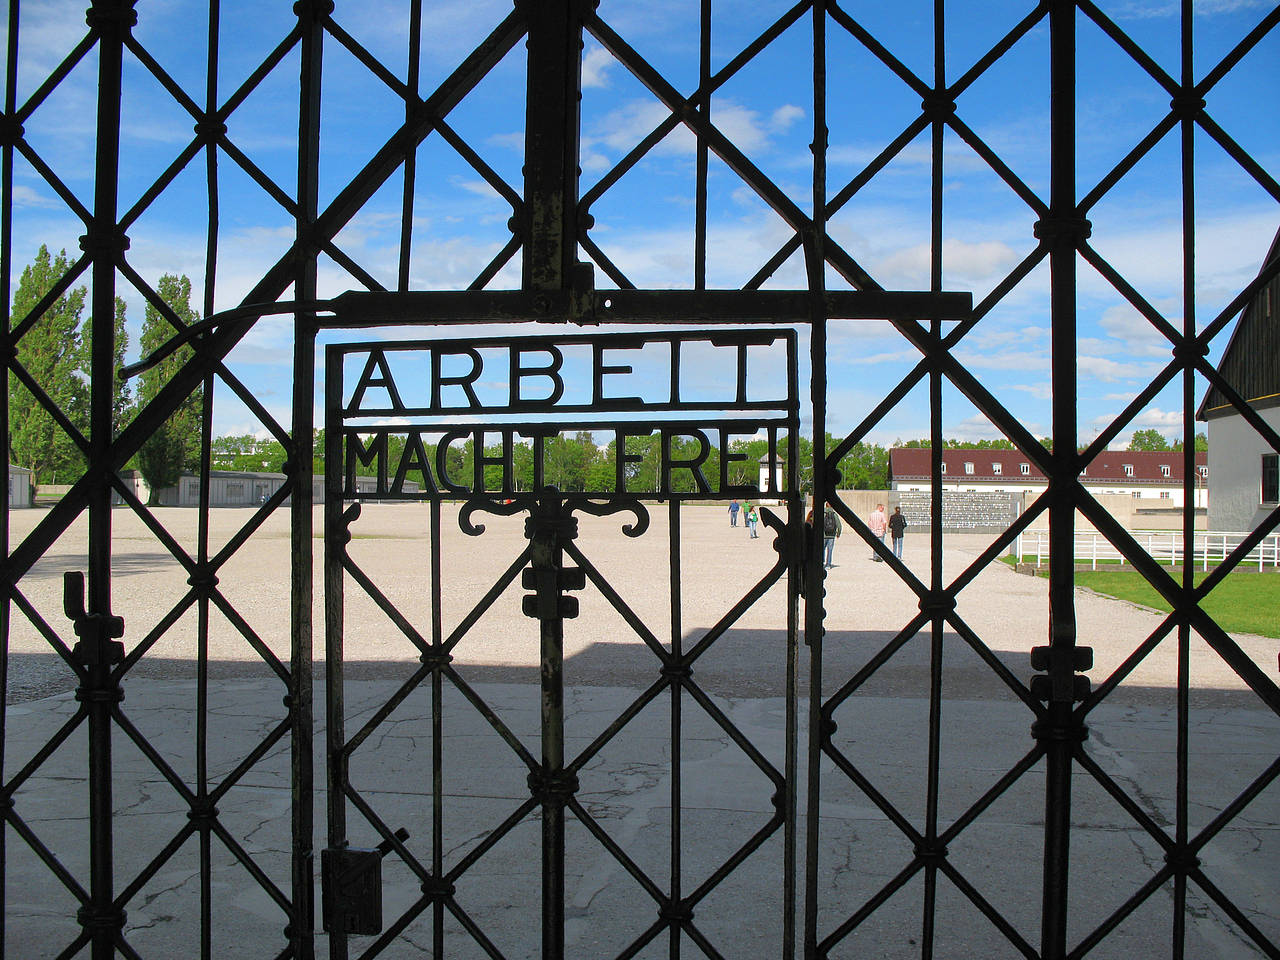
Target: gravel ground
868	605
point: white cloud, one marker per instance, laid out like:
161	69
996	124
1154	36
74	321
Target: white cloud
966	264
1149	9
596	64
621	129
24	196
785	116
1109	371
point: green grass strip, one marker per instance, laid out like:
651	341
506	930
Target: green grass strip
1241	603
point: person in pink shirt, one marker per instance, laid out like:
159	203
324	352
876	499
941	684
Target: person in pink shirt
878	523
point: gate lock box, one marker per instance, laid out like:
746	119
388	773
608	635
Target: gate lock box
351	885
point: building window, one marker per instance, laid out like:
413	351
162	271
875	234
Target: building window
1128	470
997	468
968	467
1204	471
1270	477
1137	494
1165	495
1026	468
944	468
235	490
1164	469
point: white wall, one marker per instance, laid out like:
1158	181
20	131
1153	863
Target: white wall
1235	472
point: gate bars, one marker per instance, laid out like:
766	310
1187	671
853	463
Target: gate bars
549	224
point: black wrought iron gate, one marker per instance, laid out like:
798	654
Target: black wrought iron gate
551	232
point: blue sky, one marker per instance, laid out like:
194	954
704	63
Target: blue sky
644	223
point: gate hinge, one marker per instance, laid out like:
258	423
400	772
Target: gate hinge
351	887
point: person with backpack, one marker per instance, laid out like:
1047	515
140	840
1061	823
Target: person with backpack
831	528
897	527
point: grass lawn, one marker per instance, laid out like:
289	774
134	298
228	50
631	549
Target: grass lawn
1242	603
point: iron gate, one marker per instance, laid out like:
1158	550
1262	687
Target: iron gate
551	227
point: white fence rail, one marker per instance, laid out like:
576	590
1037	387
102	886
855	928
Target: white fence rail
1165	546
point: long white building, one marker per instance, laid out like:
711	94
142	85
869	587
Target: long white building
1142	475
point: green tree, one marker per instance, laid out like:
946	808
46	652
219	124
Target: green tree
175	445
1201	443
1149	439
121	399
50	352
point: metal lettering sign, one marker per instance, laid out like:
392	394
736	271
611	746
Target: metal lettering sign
421	420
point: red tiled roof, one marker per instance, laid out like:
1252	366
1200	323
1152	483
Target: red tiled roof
911	463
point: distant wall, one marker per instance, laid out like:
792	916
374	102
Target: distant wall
988	512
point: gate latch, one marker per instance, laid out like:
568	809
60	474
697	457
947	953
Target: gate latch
351	887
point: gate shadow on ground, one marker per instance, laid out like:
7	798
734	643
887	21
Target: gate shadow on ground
740	663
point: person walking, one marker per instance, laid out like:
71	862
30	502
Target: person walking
734	507
831	528
751	518
897	527
878	523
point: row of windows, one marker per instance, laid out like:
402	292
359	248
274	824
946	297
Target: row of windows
998	469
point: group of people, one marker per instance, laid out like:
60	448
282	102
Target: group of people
880	524
750	517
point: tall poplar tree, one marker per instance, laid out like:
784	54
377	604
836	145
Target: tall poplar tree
174	446
50	351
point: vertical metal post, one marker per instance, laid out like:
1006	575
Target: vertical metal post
554	85
815	575
110	21
551	142
335	545
1059	730
311	14
7	141
547	529
1182	799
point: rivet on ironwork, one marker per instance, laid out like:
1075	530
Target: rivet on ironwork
11	130
586	221
827	727
778	799
6	801
109	244
436	659
313	9
1050	732
1188	350
554	787
938	106
1181	859
931	851
203	578
1069	230
437	889
288	702
675	911
565	528
937	603
210	129
88	918
1186	108
677	670
105	14
203	812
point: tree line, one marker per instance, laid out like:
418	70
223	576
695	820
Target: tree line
49	399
